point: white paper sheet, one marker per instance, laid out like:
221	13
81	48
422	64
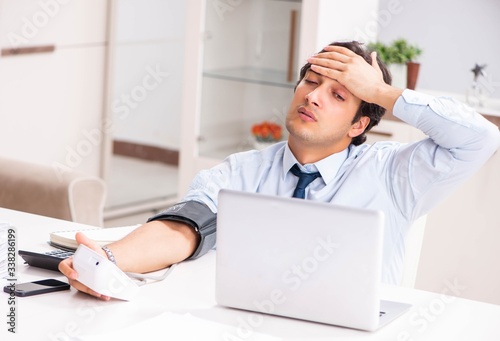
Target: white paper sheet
171	326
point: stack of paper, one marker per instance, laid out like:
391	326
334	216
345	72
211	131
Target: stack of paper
3	250
180	327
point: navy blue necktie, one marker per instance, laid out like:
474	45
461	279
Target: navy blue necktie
304	180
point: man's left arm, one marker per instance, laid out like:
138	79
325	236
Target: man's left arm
459	144
452	125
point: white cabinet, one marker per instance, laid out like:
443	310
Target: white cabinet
147	52
51	108
51	103
146	55
242	59
65	23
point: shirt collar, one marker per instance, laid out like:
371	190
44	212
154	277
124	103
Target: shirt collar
328	167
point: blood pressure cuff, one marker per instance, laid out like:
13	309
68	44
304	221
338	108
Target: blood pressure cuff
198	216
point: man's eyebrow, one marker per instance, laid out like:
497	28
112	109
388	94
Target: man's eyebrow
342	87
311	70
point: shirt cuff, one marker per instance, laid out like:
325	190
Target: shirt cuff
411	104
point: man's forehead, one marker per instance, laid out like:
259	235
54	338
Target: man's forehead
310	71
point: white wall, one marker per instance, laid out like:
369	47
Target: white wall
462	238
454	35
326	21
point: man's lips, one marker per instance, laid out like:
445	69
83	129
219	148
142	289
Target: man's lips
306	115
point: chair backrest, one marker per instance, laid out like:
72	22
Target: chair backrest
87	197
414	240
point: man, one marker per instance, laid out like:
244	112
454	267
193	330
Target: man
341	94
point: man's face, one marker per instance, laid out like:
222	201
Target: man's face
321	114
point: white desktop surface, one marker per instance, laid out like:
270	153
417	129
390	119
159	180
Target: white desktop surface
191	289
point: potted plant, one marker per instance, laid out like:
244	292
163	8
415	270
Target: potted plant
400	57
266	133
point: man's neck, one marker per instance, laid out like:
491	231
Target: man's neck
307	154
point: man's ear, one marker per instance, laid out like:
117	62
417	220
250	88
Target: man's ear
359	127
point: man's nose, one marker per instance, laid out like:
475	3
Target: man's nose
313	97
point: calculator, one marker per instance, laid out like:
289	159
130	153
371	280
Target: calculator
47	260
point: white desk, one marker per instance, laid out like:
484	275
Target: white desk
57	316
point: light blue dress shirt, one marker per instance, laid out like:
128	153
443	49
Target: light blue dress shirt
405	181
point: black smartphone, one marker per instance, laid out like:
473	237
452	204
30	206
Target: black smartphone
37	287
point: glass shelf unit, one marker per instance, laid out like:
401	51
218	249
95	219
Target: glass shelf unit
252	75
249	72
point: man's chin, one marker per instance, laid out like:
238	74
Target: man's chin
301	137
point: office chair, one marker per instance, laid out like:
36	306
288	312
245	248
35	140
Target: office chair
42	190
413	245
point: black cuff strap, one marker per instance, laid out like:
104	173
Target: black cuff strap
196	215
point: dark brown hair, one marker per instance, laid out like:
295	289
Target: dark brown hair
371	110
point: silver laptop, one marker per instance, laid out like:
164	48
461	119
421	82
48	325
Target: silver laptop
301	259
